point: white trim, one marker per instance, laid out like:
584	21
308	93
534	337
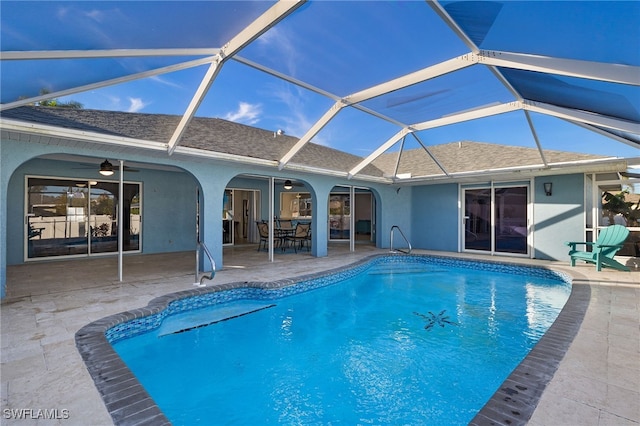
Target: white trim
202	153
78	135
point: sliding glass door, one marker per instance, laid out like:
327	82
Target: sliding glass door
496	219
76	217
339	217
511	220
477	219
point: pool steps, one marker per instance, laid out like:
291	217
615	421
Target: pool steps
191	320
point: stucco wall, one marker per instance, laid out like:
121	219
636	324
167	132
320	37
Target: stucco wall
434	217
168	206
559	217
168	212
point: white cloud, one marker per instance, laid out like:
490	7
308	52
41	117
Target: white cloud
136	104
296	122
165	81
285	47
96	15
246	113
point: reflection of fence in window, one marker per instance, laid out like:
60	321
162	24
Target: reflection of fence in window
58	227
102	225
135	224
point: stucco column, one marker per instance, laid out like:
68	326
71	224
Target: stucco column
12	155
319	241
211	196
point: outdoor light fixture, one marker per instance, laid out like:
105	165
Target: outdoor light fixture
547	188
287	184
106	168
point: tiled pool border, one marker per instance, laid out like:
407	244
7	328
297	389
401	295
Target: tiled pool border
129	403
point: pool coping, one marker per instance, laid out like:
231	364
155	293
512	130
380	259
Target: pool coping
513	403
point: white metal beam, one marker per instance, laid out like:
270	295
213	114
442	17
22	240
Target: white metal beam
262	24
437	70
583	117
108	53
615	73
105	83
317	126
196	100
424	74
381	149
395	170
535	136
606	133
285	77
444	15
451	119
469	115
433	157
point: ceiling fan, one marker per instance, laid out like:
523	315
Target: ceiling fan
289	184
106	168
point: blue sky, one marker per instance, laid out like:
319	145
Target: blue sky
339	47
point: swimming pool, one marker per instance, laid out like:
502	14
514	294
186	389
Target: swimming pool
423	321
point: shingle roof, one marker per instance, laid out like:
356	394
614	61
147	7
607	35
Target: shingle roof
217	135
467	156
210	134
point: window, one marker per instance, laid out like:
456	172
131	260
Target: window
66	217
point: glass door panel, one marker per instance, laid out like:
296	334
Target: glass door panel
104	221
227	217
74	217
56	222
132	203
496	219
620	204
339	216
477	219
511	219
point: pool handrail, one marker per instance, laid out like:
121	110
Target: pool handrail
403	236
211	274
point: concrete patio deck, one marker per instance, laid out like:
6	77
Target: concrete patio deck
597	381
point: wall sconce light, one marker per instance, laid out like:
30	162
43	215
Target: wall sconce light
106	168
547	188
287	184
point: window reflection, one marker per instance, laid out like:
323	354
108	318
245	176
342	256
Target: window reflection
76	217
620	204
339	216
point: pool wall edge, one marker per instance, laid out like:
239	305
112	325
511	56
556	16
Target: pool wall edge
513	403
517	397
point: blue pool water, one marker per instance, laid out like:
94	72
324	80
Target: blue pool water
415	342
